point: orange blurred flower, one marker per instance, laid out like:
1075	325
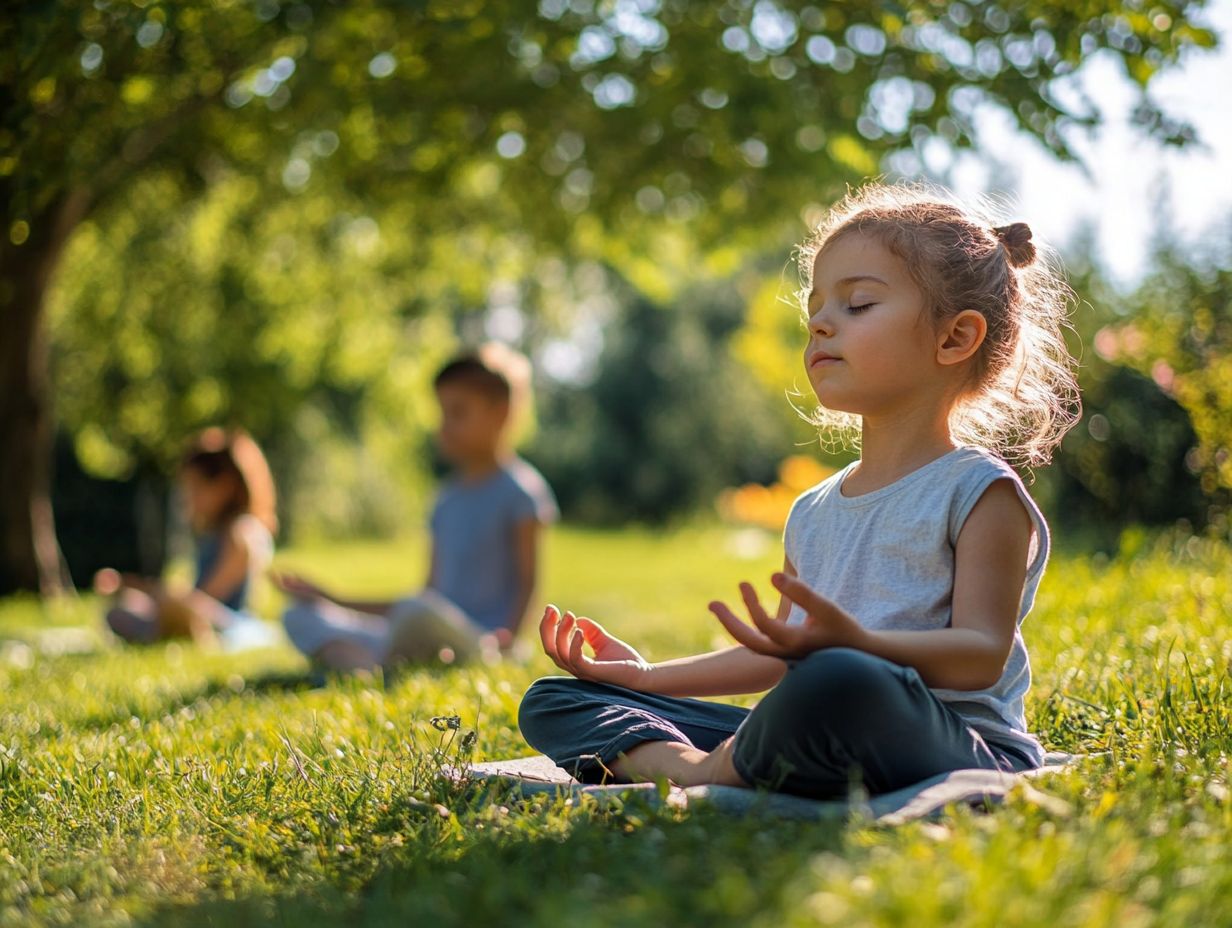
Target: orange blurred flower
767	507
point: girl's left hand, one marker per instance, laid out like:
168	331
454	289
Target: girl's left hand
614	662
826	625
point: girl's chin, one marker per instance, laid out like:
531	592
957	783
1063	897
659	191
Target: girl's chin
835	400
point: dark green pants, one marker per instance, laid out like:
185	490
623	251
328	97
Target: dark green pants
838	717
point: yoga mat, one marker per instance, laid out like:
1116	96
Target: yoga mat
535	775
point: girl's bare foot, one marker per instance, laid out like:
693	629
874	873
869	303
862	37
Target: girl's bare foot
177	618
682	764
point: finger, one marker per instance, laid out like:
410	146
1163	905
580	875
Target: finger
576	659
572	655
551	621
751	638
547	632
564	628
585	667
802	595
776	631
594	632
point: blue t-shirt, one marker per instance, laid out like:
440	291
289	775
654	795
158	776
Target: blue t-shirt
473	530
260	551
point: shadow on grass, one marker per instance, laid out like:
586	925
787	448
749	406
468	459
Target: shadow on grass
264	684
633	866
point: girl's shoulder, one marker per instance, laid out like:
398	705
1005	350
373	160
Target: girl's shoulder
527	479
972	470
971	465
924	486
973	456
946	481
951	483
979	469
806	502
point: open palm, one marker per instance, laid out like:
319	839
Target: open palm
826	625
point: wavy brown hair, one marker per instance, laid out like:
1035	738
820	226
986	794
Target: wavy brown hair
1023	394
218	452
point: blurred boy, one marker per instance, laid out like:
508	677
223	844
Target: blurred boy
485	534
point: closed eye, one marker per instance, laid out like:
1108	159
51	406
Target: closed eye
860	308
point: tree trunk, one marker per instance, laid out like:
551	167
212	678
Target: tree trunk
29	552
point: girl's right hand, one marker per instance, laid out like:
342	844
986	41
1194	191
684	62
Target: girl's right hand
296	586
614	662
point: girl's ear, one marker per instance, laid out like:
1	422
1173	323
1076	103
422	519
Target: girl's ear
961	336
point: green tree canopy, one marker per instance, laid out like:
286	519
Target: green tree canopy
473	130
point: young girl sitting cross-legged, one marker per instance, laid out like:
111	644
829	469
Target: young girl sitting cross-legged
228	495
896	652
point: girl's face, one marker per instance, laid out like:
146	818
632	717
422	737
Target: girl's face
871	347
205	499
471	422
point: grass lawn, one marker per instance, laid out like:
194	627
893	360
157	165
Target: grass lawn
167	786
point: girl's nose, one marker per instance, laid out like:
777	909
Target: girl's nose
821	322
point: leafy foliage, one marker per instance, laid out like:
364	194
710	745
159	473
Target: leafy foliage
691	98
1130	460
1178	331
668	419
234	156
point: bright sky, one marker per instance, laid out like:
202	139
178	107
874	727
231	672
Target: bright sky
1118	196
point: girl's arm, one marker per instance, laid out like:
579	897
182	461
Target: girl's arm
199	612
381	607
990	570
231	569
301	588
729	672
205	601
430	583
526	564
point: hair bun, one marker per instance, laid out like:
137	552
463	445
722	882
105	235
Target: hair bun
1016	239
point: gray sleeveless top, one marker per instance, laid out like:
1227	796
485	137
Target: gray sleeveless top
887	557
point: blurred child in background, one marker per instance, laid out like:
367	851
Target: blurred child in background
485	539
229	500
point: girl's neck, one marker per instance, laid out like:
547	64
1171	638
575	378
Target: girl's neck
215	526
481	466
892	447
